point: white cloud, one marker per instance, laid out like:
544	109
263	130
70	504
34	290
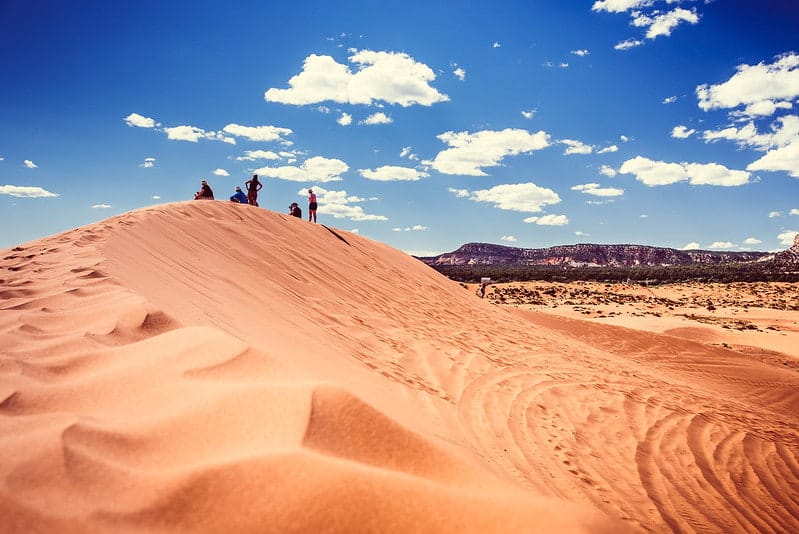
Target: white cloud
156	197
619	6
390	173
221	172
340	205
315	169
548	220
753	85
721	245
459	73
576	147
654	173
22	191
581	53
607	170
773	214
496	44
682	132
258	133
406	152
134	119
794	211
148	163
663	23
345	119
416	228
377	118
29	164
194	134
643	216
460	193
581	234
508	238
780	159
468	153
691	246
624	138
752	241
526	197
391	77
670	100
628	44
252	155
596	190
101	207
529	114
786	238
608	149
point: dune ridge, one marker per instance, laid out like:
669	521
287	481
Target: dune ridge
204	366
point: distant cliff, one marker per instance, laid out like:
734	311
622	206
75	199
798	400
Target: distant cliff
591	255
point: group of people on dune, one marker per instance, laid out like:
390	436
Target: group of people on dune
253	186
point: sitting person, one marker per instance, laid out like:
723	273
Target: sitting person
295	210
239	196
205	192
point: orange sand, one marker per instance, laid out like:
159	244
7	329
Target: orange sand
205	366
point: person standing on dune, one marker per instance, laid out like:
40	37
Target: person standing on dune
253	186
311	205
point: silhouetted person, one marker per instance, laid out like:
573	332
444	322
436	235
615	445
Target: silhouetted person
311	205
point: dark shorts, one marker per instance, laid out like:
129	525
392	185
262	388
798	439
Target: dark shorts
312	206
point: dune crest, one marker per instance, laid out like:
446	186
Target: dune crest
206	366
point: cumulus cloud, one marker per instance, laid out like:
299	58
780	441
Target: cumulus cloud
794	211
607	170
468	153
752	241
134	119
459	73
101	207
508	238
525	197
390	77
345	119
670	100
653	173
416	228
576	147
754	85
22	191
460	193
608	149
391	173
619	6
691	246
496	44
664	23
780	159
721	245
548	220
193	134
628	44
596	190
341	205
407	152
580	53
773	214
528	114
258	133
29	164
148	163
315	169
682	132
252	155
786	238
377	118
221	172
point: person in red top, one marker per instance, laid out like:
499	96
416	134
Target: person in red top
311	205
253	186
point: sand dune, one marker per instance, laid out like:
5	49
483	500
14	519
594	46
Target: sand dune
205	366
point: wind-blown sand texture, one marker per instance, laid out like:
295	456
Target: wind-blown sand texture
205	366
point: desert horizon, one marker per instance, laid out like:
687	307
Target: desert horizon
206	366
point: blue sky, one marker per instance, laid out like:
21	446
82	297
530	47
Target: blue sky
424	125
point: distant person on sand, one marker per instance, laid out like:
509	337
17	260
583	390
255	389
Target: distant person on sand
311	205
253	186
239	196
483	289
205	192
294	210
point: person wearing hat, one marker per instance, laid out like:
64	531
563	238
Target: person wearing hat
239	196
205	192
294	210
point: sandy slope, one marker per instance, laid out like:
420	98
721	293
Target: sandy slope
204	366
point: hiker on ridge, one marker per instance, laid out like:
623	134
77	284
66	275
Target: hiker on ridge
311	205
253	186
